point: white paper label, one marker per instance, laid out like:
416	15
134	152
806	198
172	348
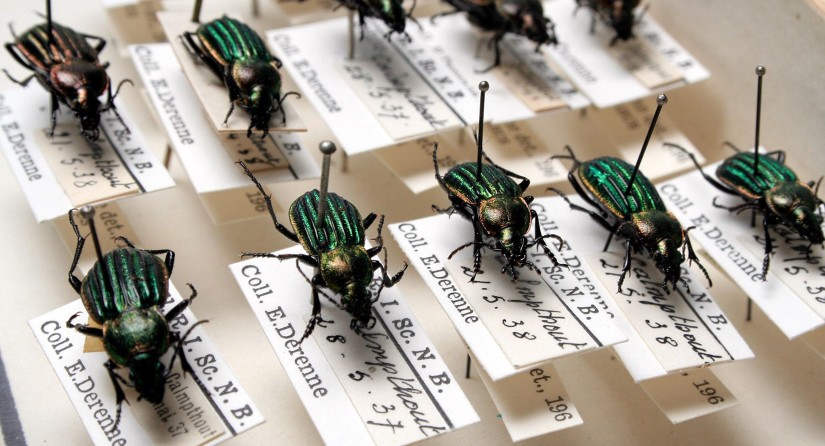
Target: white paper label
387	386
203	153
428	242
203	408
685	396
724	235
533	402
667	332
596	68
25	113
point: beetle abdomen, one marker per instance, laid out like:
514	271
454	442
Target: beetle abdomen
342	223
606	179
125	278
68	45
738	173
228	40
461	182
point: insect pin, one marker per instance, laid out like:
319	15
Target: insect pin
237	55
768	187
332	233
124	294
522	17
488	196
66	63
626	203
618	14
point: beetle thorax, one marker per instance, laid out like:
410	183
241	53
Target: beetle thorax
795	204
507	219
251	76
80	83
347	270
140	331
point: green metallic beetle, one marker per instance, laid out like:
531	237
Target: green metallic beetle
124	293
388	11
335	248
772	189
487	195
239	57
638	213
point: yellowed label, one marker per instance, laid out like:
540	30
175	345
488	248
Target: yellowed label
524	84
649	67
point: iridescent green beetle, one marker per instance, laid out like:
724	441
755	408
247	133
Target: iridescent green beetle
335	248
768	187
239	57
628	204
488	196
124	293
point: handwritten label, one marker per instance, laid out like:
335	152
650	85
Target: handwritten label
89	171
257	153
205	407
666	332
395	95
692	394
213	96
526	86
428	242
729	239
533	402
202	152
387	386
25	113
605	74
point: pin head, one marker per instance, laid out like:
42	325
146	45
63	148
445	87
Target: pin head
760	70
661	99
87	212
483	86
327	147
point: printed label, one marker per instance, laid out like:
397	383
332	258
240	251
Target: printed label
692	394
136	21
386	386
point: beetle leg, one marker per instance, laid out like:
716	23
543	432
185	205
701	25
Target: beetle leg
627	263
692	257
766	261
120	396
367	222
268	200
539	240
707	177
316	315
83	328
595	216
178	309
78	250
55	107
443	14
10	47
732	146
738	208
195	50
379	240
304	258
496	50
22	83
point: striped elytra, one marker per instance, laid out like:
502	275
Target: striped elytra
342	225
124	279
461	182
68	46
228	40
738	172
606	178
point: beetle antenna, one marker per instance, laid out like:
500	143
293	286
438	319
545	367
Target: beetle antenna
483	86
88	212
327	148
760	71
196	11
661	100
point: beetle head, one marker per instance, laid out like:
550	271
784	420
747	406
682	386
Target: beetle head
527	17
358	303
795	204
149	377
668	259
622	19
393	15
79	84
514	245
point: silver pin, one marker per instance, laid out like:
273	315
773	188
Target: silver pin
88	213
327	148
760	71
483	86
661	100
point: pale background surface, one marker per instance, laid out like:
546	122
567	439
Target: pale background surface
782	392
